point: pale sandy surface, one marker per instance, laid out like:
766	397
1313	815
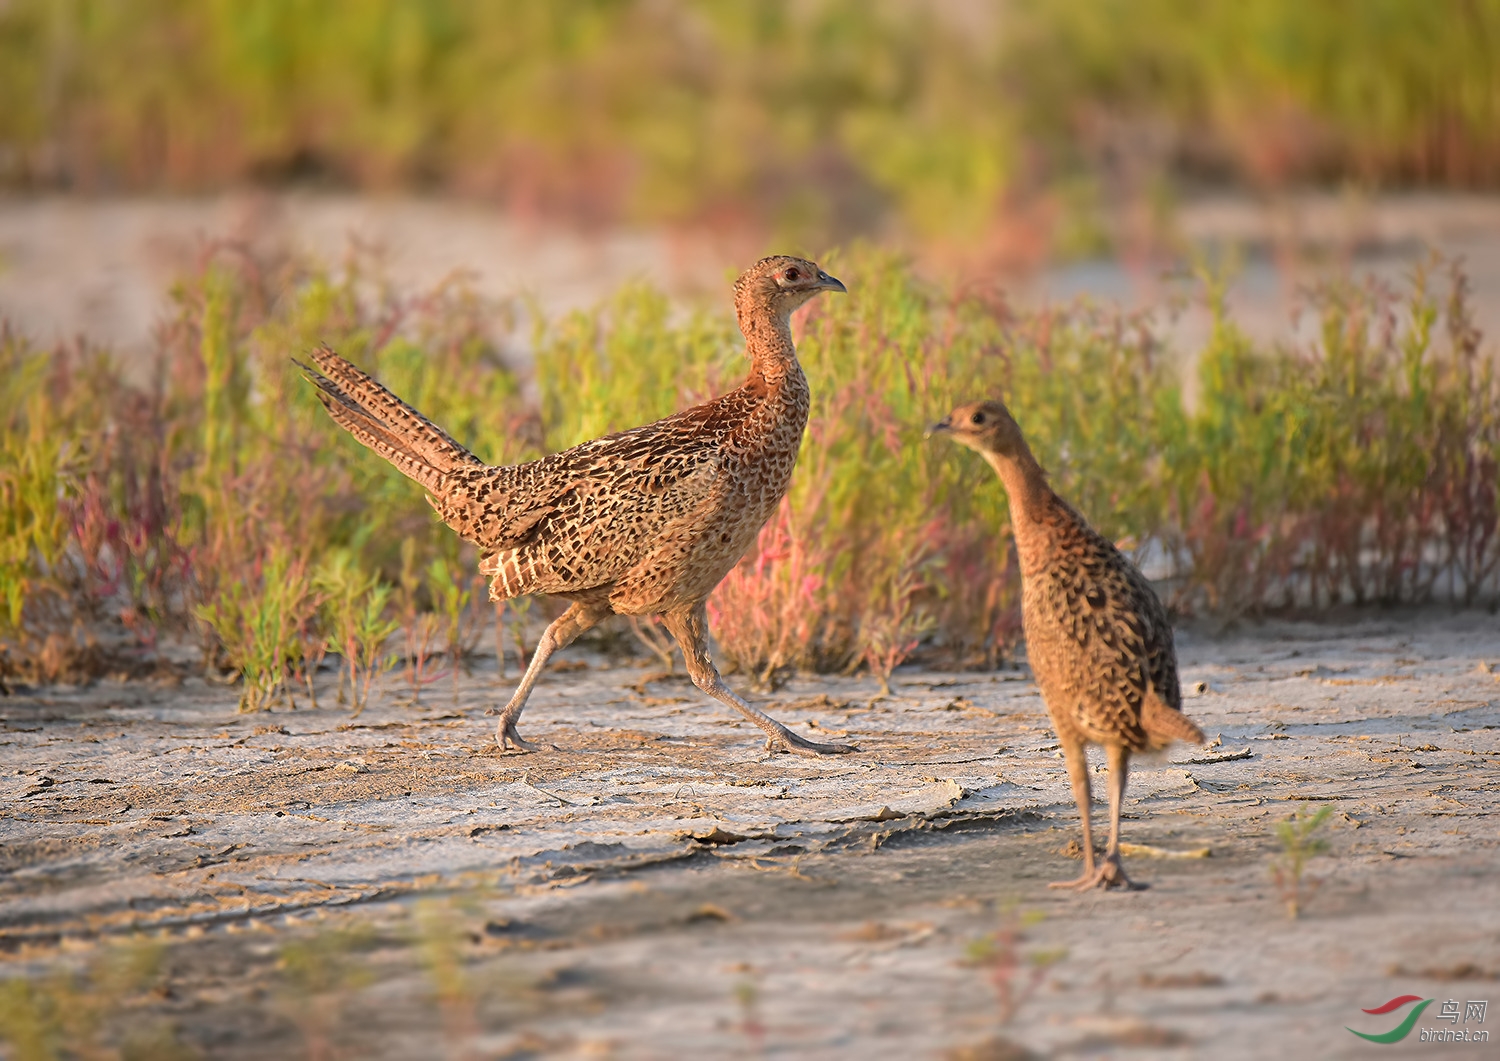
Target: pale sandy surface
660	887
101	268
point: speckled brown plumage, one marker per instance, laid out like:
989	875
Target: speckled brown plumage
643	522
1097	637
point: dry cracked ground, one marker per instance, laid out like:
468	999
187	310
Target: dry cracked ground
178	880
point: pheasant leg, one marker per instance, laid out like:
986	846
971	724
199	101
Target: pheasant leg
691	631
1076	756
1111	873
563	631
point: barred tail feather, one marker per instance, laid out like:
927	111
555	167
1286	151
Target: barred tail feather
375	436
417	459
420	436
1164	724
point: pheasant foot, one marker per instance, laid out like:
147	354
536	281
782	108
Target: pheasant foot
1109	874
512	741
785	740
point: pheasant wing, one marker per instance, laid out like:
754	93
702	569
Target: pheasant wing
1114	634
577	520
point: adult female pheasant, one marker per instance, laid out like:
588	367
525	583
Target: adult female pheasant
1097	637
643	522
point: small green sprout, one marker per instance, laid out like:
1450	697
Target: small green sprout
1299	845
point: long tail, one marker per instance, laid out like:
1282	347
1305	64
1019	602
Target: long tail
1163	723
417	447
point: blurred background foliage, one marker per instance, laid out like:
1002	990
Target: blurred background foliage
826	118
1360	466
1358	461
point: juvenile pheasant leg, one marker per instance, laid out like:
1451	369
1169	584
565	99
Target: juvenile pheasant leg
1111	873
1076	757
562	633
691	631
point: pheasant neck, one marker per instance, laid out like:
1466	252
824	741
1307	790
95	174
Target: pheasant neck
1031	502
773	356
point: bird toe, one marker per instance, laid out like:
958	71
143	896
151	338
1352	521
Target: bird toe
811	749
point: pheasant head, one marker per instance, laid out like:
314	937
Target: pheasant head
984	426
774	287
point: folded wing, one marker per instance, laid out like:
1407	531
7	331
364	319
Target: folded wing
566	523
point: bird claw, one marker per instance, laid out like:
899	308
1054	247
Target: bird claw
1109	874
511	741
787	741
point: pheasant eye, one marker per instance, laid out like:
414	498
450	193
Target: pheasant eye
977	418
793	275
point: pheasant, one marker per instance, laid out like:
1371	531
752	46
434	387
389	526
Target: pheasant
1097	637
643	522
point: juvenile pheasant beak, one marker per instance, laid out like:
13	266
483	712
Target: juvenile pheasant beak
830	283
942	427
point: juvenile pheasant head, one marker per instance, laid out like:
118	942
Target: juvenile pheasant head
776	286
984	426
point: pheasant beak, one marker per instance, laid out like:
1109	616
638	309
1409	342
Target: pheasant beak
942	427
830	283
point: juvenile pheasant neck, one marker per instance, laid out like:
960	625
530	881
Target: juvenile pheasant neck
1031	503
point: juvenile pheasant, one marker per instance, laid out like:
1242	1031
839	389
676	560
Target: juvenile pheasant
643	522
1097	638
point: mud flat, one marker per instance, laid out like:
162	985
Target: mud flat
661	887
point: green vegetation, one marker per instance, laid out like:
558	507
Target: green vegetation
750	1024
354	607
318	974
1015	976
440	967
1300	844
98	1012
211	498
1375	91
1014	973
1360	467
261	625
824	118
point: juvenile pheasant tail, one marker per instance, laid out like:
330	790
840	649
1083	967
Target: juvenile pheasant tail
1164	724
